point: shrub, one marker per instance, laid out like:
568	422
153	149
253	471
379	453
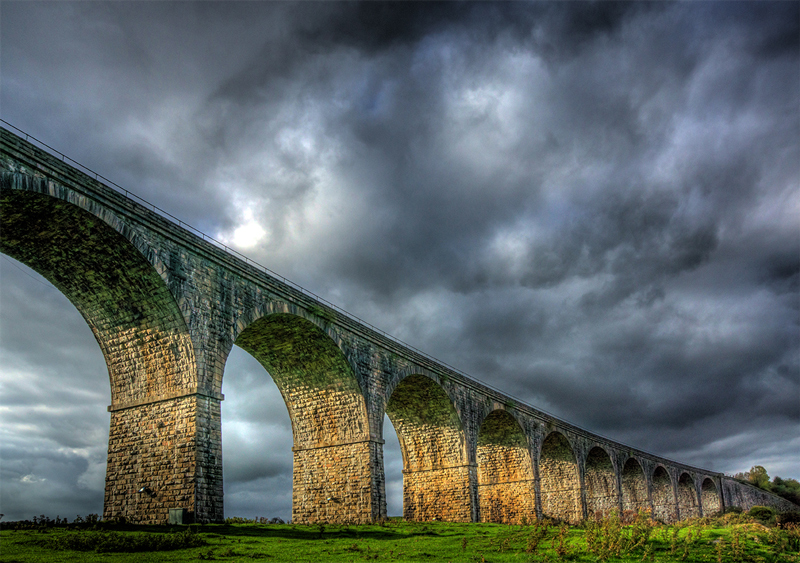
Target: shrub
763	514
793	535
115	542
641	530
605	538
536	535
783	520
256	520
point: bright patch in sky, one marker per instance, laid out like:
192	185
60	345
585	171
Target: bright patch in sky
248	234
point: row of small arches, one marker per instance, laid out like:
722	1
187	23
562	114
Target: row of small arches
516	481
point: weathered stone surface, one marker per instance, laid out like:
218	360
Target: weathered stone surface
167	306
436	473
559	480
709	497
333	484
600	484
747	496
634	487
688	506
505	471
664	501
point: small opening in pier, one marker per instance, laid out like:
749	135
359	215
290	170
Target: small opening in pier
393	469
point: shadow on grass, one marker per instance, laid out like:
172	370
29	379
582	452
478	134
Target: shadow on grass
329	532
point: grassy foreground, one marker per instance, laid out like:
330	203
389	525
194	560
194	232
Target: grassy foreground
731	538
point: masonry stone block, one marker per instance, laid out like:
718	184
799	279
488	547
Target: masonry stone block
709	497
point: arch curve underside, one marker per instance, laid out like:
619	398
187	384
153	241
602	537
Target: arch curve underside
505	472
633	487
144	341
664	508
559	480
709	497
333	450
601	484
128	306
688	505
436	476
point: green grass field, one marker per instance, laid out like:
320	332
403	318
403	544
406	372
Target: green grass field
734	538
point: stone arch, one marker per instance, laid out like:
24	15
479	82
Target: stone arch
114	282
634	487
505	472
118	285
709	497
400	373
559	481
333	450
687	497
265	307
663	496
436	473
601	483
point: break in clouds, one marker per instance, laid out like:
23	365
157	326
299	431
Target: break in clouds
590	206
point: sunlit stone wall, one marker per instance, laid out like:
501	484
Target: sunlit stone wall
559	480
437	478
505	472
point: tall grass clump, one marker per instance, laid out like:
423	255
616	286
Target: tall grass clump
609	537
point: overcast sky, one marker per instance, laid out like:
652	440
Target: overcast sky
593	207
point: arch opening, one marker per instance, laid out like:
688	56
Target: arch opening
634	488
121	296
333	452
505	472
257	449
664	508
710	497
601	484
559	480
54	459
146	346
436	475
687	497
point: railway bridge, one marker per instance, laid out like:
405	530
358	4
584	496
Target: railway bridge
166	305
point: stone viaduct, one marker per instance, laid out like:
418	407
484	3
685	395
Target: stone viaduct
166	306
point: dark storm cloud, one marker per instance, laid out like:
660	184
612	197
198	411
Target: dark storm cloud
425	196
48	481
591	206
